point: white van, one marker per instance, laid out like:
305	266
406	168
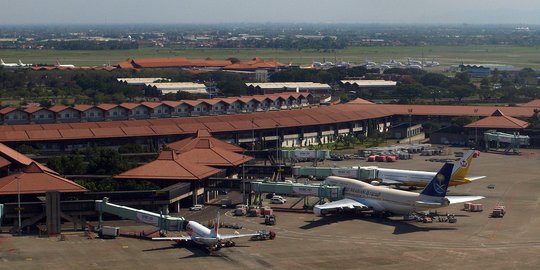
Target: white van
277	200
279	197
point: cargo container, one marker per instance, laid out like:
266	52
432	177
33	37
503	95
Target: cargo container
380	158
268	211
255	212
109	232
476	207
391	158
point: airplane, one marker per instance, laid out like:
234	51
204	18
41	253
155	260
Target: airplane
421	178
206	237
363	196
18	65
63	66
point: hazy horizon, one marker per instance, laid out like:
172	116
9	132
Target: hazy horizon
101	12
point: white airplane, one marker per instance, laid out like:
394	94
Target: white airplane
63	66
206	237
363	196
422	178
18	65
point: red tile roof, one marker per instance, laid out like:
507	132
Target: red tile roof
83	107
17	157
360	101
188	144
33	109
533	103
35	180
170	166
4	162
106	107
499	120
204	152
255	63
58	108
172	62
7	110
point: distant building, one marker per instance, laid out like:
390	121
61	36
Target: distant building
277	87
175	87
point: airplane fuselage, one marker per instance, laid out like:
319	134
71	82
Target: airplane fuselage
414	178
384	199
201	235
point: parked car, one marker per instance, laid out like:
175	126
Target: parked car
277	201
279	197
197	207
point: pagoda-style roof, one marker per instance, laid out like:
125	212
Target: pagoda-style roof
12	156
203	135
170	166
205	152
35	180
499	121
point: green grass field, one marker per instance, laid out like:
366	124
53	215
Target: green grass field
447	55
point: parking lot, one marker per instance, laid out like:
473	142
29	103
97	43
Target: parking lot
305	241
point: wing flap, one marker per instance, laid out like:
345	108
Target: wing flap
174	238
474	178
232	236
337	205
463	199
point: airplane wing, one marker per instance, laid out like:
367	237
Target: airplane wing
462	199
474	178
232	236
391	182
428	203
341	204
174	238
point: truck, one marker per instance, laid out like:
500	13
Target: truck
226	203
109	232
270	220
263	235
498	212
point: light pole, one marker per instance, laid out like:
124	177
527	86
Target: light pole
243	179
476	130
252	135
19	204
278	175
409	133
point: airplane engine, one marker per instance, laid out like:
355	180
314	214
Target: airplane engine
445	202
318	212
375	183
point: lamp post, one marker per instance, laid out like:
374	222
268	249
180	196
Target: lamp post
18	205
252	135
409	133
476	130
278	175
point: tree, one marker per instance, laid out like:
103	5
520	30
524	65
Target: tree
464	77
461	91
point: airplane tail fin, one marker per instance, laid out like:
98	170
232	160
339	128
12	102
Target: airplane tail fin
215	232
461	167
2	61
439	184
20	62
57	62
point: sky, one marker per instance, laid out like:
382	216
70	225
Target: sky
519	12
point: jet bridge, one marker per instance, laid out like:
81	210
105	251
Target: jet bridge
296	189
512	142
163	222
